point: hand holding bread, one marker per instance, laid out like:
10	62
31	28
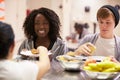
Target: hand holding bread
86	49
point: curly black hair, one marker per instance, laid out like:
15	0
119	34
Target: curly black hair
50	15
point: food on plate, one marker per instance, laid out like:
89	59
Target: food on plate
34	51
90	60
91	47
62	58
71	53
107	59
74	60
117	67
104	66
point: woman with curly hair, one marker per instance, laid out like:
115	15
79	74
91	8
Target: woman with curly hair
42	27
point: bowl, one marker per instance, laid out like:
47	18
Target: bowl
69	63
101	75
104	70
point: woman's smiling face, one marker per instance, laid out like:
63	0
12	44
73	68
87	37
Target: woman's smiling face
41	26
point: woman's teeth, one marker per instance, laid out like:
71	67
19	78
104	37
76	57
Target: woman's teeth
42	31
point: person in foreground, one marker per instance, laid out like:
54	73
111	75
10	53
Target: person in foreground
106	42
42	27
24	70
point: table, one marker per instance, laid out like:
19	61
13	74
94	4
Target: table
58	73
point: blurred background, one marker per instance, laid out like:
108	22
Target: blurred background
69	11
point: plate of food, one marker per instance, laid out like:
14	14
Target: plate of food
31	53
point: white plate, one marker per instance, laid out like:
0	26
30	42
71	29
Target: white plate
29	53
97	58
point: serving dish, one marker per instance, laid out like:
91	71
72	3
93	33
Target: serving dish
104	70
69	63
101	75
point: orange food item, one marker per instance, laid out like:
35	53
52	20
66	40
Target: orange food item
34	51
89	61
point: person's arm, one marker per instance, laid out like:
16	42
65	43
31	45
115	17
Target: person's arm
43	63
21	47
82	47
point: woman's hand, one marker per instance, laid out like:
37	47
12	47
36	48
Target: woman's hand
44	62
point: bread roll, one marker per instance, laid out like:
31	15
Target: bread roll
34	51
91	47
70	53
